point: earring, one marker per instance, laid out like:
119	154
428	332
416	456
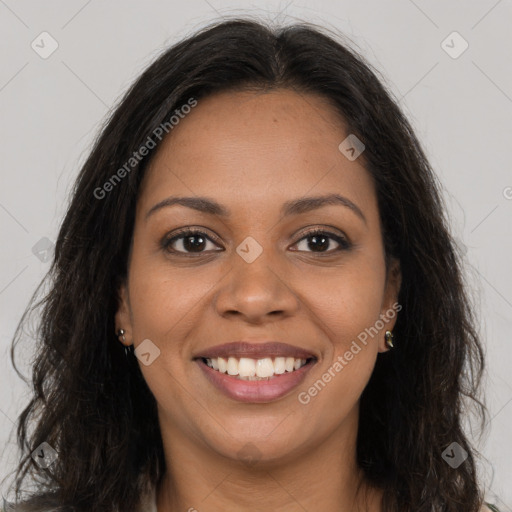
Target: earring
389	339
128	350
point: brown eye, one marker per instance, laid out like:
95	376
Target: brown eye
189	242
321	241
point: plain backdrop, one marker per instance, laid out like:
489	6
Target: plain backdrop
458	99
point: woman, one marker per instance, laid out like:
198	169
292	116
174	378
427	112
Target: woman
255	302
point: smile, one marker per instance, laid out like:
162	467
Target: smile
255	372
246	368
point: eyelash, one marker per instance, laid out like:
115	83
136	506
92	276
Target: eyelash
344	244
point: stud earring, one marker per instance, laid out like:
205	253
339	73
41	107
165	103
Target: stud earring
120	333
128	350
389	339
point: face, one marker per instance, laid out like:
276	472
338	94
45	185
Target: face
264	263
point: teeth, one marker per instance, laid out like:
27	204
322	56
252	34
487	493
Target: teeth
232	366
246	367
255	369
279	365
222	363
265	367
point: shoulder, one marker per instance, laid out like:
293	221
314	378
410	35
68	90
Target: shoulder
489	508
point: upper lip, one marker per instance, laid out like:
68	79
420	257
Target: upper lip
259	350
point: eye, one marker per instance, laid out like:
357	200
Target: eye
187	241
194	241
321	241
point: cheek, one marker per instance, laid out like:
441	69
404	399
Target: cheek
348	307
164	306
164	300
347	301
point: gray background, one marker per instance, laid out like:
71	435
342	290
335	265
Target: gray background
460	107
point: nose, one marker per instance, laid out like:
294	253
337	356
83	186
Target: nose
256	292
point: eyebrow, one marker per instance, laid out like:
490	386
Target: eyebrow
293	207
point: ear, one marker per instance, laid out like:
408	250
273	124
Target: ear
390	306
123	319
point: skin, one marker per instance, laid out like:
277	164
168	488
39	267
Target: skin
252	152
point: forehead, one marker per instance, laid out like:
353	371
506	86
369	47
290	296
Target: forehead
262	147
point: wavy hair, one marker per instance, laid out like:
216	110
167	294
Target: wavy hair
92	404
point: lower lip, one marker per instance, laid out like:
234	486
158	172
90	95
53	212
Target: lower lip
256	391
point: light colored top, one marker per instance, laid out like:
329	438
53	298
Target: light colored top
150	502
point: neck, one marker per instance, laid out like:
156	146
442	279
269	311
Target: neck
323	477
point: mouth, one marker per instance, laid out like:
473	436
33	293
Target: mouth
257	373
